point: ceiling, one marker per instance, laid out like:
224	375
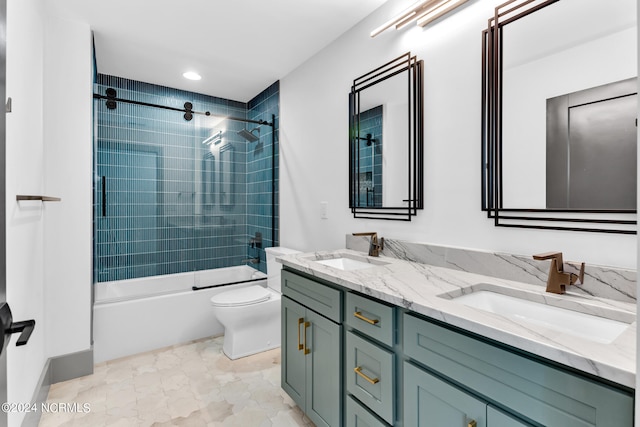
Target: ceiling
240	47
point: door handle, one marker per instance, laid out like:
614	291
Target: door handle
306	349
359	315
104	195
300	322
24	328
9	327
358	370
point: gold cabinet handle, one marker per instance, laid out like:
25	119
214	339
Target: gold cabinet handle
358	370
306	349
300	322
359	315
472	423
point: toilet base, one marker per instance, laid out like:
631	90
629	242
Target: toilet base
249	341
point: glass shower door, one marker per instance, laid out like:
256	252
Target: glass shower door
128	212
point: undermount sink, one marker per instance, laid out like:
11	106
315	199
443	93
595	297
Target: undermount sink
576	323
348	264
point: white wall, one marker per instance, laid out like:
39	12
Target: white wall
24	169
314	145
48	152
68	119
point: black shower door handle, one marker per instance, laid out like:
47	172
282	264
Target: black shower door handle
104	195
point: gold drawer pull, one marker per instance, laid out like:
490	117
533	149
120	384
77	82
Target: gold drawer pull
472	423
300	322
359	315
306	349
358	370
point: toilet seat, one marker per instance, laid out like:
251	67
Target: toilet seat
239	297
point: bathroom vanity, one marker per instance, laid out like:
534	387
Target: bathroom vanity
385	342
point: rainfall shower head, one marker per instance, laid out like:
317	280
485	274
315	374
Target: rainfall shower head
249	135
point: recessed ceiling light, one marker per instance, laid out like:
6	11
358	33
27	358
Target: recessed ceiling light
191	75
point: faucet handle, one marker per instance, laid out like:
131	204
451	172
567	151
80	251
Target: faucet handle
548	255
579	276
551	255
368	233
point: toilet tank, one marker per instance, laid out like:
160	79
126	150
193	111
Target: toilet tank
274	267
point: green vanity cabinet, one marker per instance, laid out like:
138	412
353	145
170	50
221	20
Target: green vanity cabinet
357	416
524	386
351	360
369	375
431	401
497	418
370	359
312	355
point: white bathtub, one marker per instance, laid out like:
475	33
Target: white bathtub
137	315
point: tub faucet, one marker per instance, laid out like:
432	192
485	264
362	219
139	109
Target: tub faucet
255	260
558	279
375	245
256	242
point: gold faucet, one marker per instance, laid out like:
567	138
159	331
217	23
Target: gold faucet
558	279
375	246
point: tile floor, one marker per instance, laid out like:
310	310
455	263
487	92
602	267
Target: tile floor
193	384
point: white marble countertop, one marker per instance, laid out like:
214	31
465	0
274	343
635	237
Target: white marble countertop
428	290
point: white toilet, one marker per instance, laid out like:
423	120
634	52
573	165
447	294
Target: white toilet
251	315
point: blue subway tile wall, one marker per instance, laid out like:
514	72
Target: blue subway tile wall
173	195
370	157
265	106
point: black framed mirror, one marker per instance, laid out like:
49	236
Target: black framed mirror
386	141
559	115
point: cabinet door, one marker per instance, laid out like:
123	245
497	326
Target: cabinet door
429	402
369	375
324	378
357	416
293	368
497	418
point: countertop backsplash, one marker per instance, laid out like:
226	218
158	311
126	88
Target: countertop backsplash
604	282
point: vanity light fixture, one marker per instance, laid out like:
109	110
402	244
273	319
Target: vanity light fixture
423	12
191	75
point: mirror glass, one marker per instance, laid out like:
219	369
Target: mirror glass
564	111
385	137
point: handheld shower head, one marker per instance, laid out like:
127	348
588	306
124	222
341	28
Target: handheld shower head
249	135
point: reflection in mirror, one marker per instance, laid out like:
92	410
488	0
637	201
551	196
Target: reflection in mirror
227	170
385	176
592	148
559	131
208	180
370	158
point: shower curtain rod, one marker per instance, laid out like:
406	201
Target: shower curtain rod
111	104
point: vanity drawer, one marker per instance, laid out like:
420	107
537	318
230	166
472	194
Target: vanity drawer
357	415
370	317
370	375
539	391
320	298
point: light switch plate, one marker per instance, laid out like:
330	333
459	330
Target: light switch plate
324	208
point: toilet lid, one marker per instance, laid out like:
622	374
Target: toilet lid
243	296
